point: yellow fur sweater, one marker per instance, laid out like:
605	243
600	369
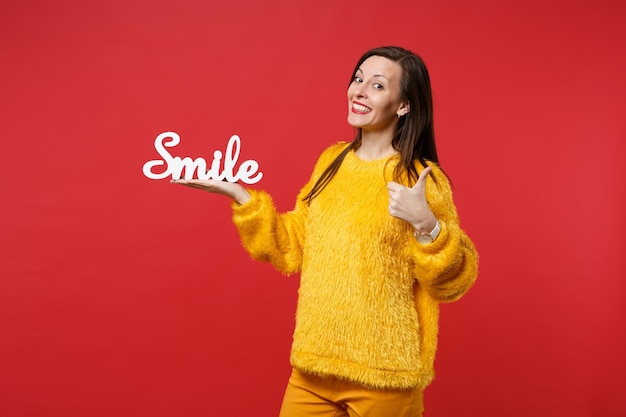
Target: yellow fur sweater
369	292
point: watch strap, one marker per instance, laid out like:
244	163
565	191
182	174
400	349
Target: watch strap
428	237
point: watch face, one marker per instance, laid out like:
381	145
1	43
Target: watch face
424	239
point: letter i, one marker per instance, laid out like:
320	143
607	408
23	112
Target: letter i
214	172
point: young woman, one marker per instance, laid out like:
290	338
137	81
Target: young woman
376	238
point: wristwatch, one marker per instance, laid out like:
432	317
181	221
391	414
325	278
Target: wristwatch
425	238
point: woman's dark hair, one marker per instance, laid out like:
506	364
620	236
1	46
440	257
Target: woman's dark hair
414	137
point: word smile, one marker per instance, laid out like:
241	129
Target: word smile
247	173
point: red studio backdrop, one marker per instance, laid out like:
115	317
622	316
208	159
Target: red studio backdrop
122	295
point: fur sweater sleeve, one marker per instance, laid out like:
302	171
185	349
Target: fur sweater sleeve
275	237
448	267
269	236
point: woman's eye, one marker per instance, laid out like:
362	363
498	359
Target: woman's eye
378	86
358	79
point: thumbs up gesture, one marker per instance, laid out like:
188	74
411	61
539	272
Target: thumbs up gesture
410	205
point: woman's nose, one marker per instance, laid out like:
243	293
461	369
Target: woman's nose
358	90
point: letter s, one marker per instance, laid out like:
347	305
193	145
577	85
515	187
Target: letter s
159	144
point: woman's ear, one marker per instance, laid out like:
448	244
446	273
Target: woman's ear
403	110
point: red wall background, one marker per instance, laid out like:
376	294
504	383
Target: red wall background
125	296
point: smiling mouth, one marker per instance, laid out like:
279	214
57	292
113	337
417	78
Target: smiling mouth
360	108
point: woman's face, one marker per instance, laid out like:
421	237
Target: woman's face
374	100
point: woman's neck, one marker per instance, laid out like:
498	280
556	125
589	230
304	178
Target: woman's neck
374	146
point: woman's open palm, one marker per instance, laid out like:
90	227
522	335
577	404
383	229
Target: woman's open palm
230	189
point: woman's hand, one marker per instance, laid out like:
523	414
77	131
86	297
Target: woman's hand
410	205
230	189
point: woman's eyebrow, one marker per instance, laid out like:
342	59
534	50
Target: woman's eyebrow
375	75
